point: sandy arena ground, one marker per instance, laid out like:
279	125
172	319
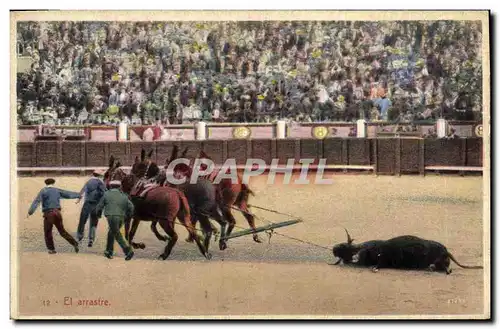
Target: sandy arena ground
282	278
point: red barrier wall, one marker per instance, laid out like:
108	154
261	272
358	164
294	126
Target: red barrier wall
392	156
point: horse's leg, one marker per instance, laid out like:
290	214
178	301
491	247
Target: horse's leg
230	222
156	233
207	228
168	227
194	220
218	216
227	198
133	230
214	229
250	219
186	221
127	227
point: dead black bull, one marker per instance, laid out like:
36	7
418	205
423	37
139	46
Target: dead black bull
403	252
411	252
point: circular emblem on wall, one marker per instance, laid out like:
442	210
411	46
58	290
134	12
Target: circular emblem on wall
241	132
320	132
479	130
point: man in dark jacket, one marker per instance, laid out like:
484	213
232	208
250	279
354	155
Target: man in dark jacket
116	207
93	190
50	197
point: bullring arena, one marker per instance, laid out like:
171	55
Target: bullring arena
280	278
385	104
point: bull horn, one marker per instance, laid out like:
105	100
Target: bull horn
150	154
349	239
143	155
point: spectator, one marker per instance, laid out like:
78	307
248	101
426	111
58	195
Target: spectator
254	71
383	103
452	134
431	133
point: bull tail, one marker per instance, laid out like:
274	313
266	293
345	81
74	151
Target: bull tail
462	266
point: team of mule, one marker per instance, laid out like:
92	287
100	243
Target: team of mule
157	201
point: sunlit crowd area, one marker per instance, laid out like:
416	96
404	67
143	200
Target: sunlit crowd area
183	72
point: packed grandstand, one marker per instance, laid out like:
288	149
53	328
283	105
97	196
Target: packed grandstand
183	72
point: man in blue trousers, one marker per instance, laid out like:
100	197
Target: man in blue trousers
50	198
93	190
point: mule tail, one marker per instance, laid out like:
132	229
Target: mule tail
245	189
185	207
462	266
244	194
189	225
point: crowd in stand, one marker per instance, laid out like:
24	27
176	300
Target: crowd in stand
181	72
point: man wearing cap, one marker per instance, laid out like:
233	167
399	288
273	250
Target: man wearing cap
50	197
117	207
93	190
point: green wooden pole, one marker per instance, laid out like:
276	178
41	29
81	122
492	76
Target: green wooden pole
262	228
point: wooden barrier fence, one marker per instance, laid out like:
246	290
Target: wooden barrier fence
392	156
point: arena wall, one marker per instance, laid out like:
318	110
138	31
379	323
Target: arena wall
392	156
228	131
